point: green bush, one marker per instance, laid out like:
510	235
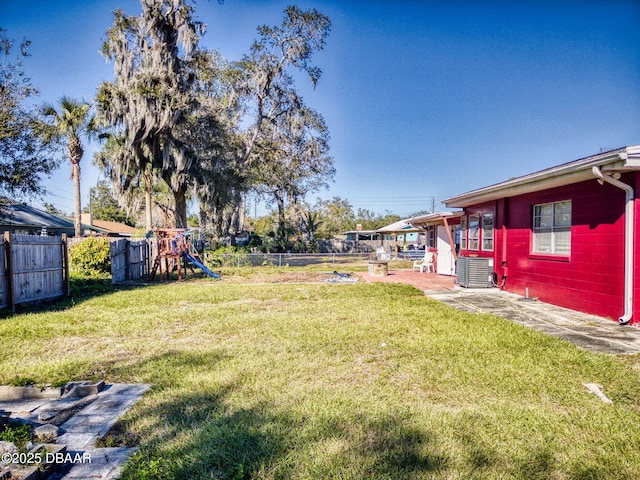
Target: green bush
91	257
227	249
228	256
17	433
22	382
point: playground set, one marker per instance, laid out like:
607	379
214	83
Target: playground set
176	249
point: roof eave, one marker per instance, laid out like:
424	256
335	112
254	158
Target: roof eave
361	232
625	159
433	218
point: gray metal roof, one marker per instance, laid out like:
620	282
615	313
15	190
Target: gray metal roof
21	215
24	215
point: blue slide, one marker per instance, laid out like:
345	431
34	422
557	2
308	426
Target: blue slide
201	266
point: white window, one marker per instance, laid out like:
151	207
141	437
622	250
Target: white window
487	232
463	233
474	231
552	228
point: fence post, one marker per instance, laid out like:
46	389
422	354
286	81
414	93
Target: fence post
127	257
65	259
9	255
147	256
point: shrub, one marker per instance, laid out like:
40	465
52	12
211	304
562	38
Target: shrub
22	382
17	433
229	249
91	257
228	256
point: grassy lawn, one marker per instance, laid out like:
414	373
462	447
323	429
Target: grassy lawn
315	381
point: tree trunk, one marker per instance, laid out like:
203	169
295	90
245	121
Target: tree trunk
147	202
75	174
203	216
242	213
238	213
279	197
180	198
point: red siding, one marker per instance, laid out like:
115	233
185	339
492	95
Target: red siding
636	253
591	278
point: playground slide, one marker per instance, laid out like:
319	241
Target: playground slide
201	266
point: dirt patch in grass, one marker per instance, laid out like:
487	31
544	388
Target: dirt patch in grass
118	436
277	277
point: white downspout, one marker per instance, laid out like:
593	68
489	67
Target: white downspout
628	242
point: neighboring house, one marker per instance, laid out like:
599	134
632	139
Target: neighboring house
107	227
22	219
240	239
442	234
361	235
401	235
357	240
393	238
565	235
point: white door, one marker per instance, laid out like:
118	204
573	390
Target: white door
445	261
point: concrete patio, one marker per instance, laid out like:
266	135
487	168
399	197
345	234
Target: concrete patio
424	281
593	333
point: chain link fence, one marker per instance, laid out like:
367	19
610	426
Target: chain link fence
284	259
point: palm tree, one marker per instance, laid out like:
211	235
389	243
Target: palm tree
311	221
70	120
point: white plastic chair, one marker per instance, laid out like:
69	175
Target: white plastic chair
425	264
381	254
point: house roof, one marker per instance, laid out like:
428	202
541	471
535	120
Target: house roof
361	232
21	215
433	218
114	227
619	160
18	214
401	226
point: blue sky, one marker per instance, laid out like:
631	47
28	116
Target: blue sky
423	99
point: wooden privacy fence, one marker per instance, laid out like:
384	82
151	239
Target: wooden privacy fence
32	268
129	259
36	268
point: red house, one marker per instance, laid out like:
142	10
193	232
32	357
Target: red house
565	235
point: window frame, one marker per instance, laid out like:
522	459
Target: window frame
484	237
431	237
474	232
551	223
463	232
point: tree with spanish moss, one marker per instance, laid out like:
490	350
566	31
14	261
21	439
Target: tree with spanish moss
151	98
213	132
292	158
285	139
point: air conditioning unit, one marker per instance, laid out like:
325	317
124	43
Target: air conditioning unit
474	272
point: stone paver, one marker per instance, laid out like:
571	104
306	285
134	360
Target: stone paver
104	464
22	408
95	420
92	419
